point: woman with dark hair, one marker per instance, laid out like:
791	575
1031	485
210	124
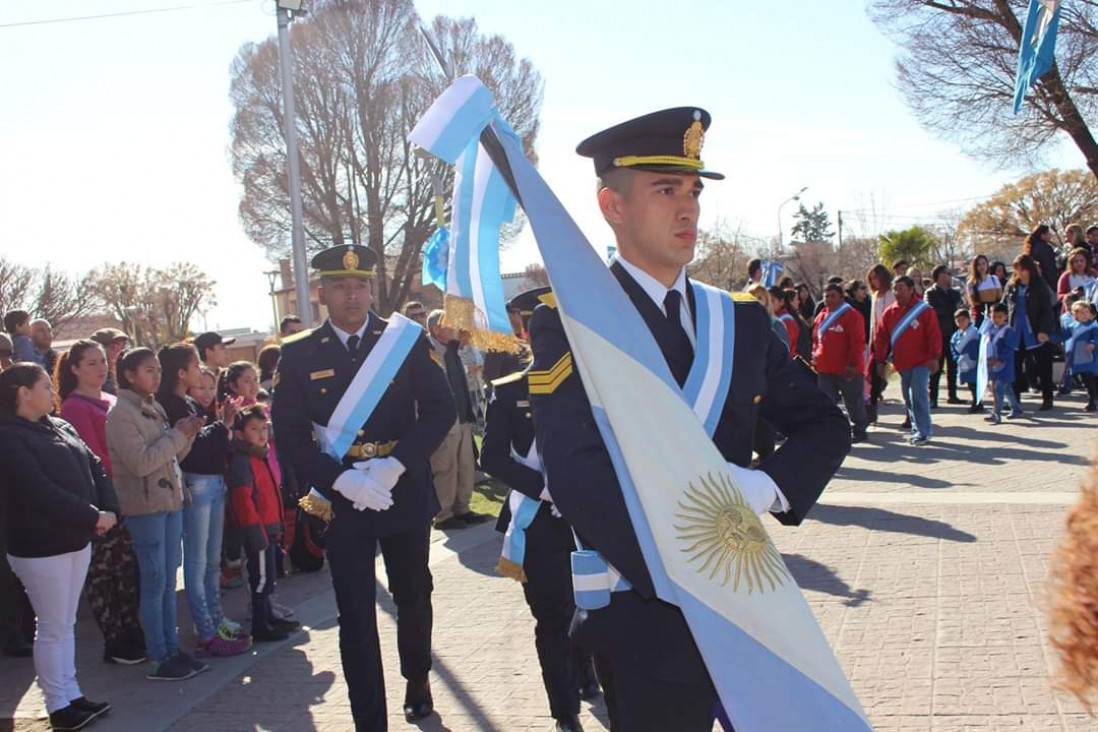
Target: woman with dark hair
999	269
57	498
783	311
1029	311
879	279
857	296
1077	274
983	288
112	578
1038	248
145	451
203	502
806	305
268	362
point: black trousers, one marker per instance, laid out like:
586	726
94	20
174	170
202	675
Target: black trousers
1030	364
351	557
262	573
946	363
1091	382
548	591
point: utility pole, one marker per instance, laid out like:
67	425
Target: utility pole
840	230
286	14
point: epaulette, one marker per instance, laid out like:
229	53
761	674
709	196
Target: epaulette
509	378
298	336
743	297
546	382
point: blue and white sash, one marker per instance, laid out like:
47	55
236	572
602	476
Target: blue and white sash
368	387
593	579
710	377
523	512
832	318
908	320
786	318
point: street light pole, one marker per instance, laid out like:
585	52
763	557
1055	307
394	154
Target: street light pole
286	12
271	279
795	197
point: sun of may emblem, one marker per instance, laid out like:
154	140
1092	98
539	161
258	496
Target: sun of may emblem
723	535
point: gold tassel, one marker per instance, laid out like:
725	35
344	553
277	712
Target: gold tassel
511	569
314	506
461	315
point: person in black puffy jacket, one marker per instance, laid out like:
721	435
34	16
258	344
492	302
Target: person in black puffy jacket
57	497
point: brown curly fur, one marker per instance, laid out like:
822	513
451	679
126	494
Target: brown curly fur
1074	597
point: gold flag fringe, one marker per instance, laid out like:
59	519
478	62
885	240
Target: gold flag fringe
511	569
461	315
315	507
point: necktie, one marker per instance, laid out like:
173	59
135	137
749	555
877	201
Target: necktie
683	354
352	346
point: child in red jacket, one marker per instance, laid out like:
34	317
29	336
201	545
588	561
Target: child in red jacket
256	505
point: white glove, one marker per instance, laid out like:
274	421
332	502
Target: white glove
545	495
555	511
363	491
759	490
386	471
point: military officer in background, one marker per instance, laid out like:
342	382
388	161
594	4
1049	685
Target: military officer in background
537	542
378	490
651	175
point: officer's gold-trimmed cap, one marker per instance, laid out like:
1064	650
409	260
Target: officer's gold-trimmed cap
668	141
346	260
524	303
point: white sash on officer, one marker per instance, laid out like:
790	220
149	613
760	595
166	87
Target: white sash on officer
710	378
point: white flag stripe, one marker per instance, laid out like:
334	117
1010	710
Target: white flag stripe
481	175
718	360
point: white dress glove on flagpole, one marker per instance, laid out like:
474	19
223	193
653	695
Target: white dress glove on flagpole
759	490
363	491
386	471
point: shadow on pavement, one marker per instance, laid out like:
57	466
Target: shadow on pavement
892	476
879	519
812	575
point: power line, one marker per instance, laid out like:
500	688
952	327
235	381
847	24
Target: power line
122	14
920	205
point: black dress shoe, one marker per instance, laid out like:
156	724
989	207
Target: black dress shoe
906	425
472	517
93	708
70	718
417	701
454	522
1045	407
955	400
571	724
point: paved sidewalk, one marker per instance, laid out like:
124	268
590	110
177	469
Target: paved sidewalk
925	567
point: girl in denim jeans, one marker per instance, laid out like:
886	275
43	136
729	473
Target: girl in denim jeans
203	504
145	449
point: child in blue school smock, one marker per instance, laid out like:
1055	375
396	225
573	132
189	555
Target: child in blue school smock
1000	364
1080	350
965	345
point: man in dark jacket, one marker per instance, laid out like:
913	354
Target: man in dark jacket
945	300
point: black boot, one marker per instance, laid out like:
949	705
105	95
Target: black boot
572	724
418	702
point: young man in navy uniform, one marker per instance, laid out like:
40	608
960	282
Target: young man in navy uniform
380	492
650	180
509	453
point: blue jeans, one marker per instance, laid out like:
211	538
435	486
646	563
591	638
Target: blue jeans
1004	392
203	526
157	543
915	384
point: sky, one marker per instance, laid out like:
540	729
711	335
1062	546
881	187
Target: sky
114	132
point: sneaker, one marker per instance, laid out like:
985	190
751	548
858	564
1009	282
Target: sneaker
125	654
919	441
218	646
269	635
994	418
230	630
280	611
70	718
93	708
1016	414
198	666
172	669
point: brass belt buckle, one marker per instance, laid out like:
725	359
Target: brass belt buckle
369	450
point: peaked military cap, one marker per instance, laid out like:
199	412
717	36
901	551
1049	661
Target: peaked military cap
525	302
669	141
346	260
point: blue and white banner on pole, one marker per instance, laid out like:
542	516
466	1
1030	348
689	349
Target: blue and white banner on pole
706	550
482	204
1037	51
771	272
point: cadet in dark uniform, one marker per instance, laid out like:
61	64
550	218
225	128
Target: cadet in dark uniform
546	571
650	169
388	499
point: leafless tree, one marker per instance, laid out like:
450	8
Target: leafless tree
722	255
16	283
957	66
45	292
362	77
155	306
536	275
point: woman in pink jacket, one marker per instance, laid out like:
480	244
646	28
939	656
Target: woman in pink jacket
112	577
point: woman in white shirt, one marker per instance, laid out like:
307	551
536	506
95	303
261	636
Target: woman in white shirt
984	288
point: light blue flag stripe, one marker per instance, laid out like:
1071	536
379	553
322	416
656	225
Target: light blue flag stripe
696	377
447	136
1037	51
521	518
386	372
458	279
436	255
726	373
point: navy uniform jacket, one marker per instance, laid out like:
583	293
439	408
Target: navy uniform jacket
766	383
509	422
417	410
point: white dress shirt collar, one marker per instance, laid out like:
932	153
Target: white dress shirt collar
343	335
653	287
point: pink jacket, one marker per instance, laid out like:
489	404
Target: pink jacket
89	417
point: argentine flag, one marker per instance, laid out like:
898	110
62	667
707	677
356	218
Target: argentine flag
1037	52
706	550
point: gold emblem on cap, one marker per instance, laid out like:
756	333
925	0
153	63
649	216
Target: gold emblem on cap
350	260
694	138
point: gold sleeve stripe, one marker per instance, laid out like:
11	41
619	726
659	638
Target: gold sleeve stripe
564	364
548	387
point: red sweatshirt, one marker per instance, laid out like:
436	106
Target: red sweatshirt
792	329
842	345
919	344
254	499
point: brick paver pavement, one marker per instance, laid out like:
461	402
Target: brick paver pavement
925	567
